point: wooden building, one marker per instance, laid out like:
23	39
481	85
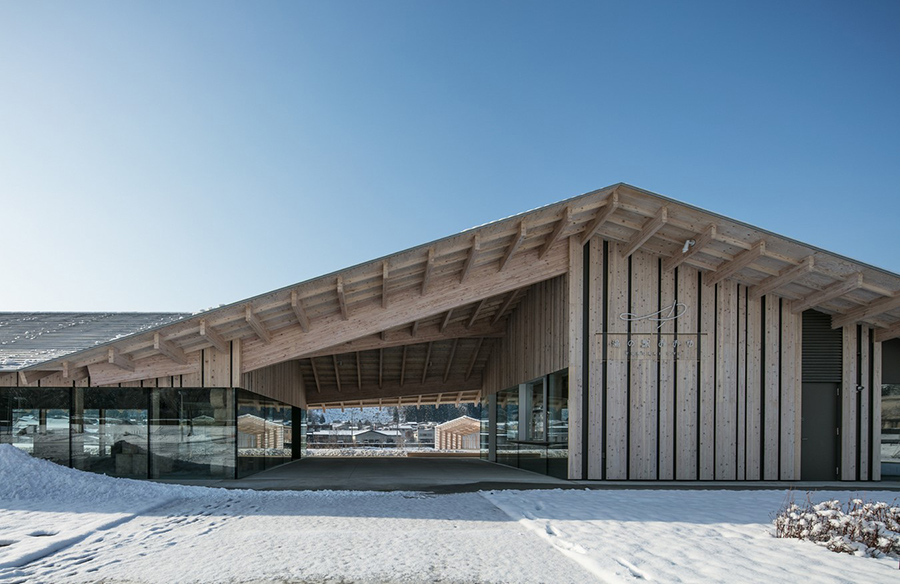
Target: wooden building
619	335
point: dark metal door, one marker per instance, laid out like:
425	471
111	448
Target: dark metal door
820	446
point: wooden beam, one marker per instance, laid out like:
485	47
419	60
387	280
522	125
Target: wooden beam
120	360
425	335
427	359
470	259
315	375
561	226
358	372
73	373
414	330
337	372
403	366
384	284
150	367
886	334
406	306
393	390
342	300
786	276
446	320
213	336
603	215
514	246
505	307
740	261
169	349
476	312
30	376
299	311
474	358
868	311
829	293
429	268
450	360
258	327
700	242
647	231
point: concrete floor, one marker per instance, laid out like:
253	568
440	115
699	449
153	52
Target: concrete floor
436	475
459	475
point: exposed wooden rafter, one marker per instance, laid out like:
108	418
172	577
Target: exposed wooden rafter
299	311
700	242
414	329
506	304
213	336
561	226
403	366
647	231
315	371
337	372
830	293
446	320
450	360
474	358
786	276
868	311
514	246
886	334
470	259
392	390
475	313
72	372
169	349
429	269
342	300
740	261
256	324
120	360
427	363
30	376
425	335
603	215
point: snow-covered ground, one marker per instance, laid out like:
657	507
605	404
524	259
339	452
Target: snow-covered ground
62	525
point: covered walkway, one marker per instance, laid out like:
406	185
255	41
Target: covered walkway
436	475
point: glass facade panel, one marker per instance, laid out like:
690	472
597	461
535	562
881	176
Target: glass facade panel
264	433
109	430
532	425
36	420
192	433
890	429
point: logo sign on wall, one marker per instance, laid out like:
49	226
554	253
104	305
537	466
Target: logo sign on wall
653	345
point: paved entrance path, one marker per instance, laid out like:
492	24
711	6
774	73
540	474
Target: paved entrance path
436	475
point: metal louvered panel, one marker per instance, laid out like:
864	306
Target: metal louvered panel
822	349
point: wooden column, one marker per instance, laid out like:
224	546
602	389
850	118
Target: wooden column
595	359
576	353
848	405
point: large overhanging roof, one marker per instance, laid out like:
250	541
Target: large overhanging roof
443	296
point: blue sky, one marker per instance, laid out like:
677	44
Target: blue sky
177	156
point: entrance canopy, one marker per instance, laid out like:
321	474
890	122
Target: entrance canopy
419	326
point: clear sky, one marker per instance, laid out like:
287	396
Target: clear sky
181	155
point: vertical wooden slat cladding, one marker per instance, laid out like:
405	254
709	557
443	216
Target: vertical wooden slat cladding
282	381
754	388
707	414
771	390
536	339
688	398
596	407
666	395
848	404
644	381
616	368
576	357
726	381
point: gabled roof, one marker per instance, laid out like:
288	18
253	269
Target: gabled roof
441	297
27	338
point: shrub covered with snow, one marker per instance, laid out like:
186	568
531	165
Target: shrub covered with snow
859	527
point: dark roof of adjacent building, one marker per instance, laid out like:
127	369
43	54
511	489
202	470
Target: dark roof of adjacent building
27	338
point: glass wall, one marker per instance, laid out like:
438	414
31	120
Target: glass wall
532	425
192	433
164	433
36	421
264	433
109	430
890	408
